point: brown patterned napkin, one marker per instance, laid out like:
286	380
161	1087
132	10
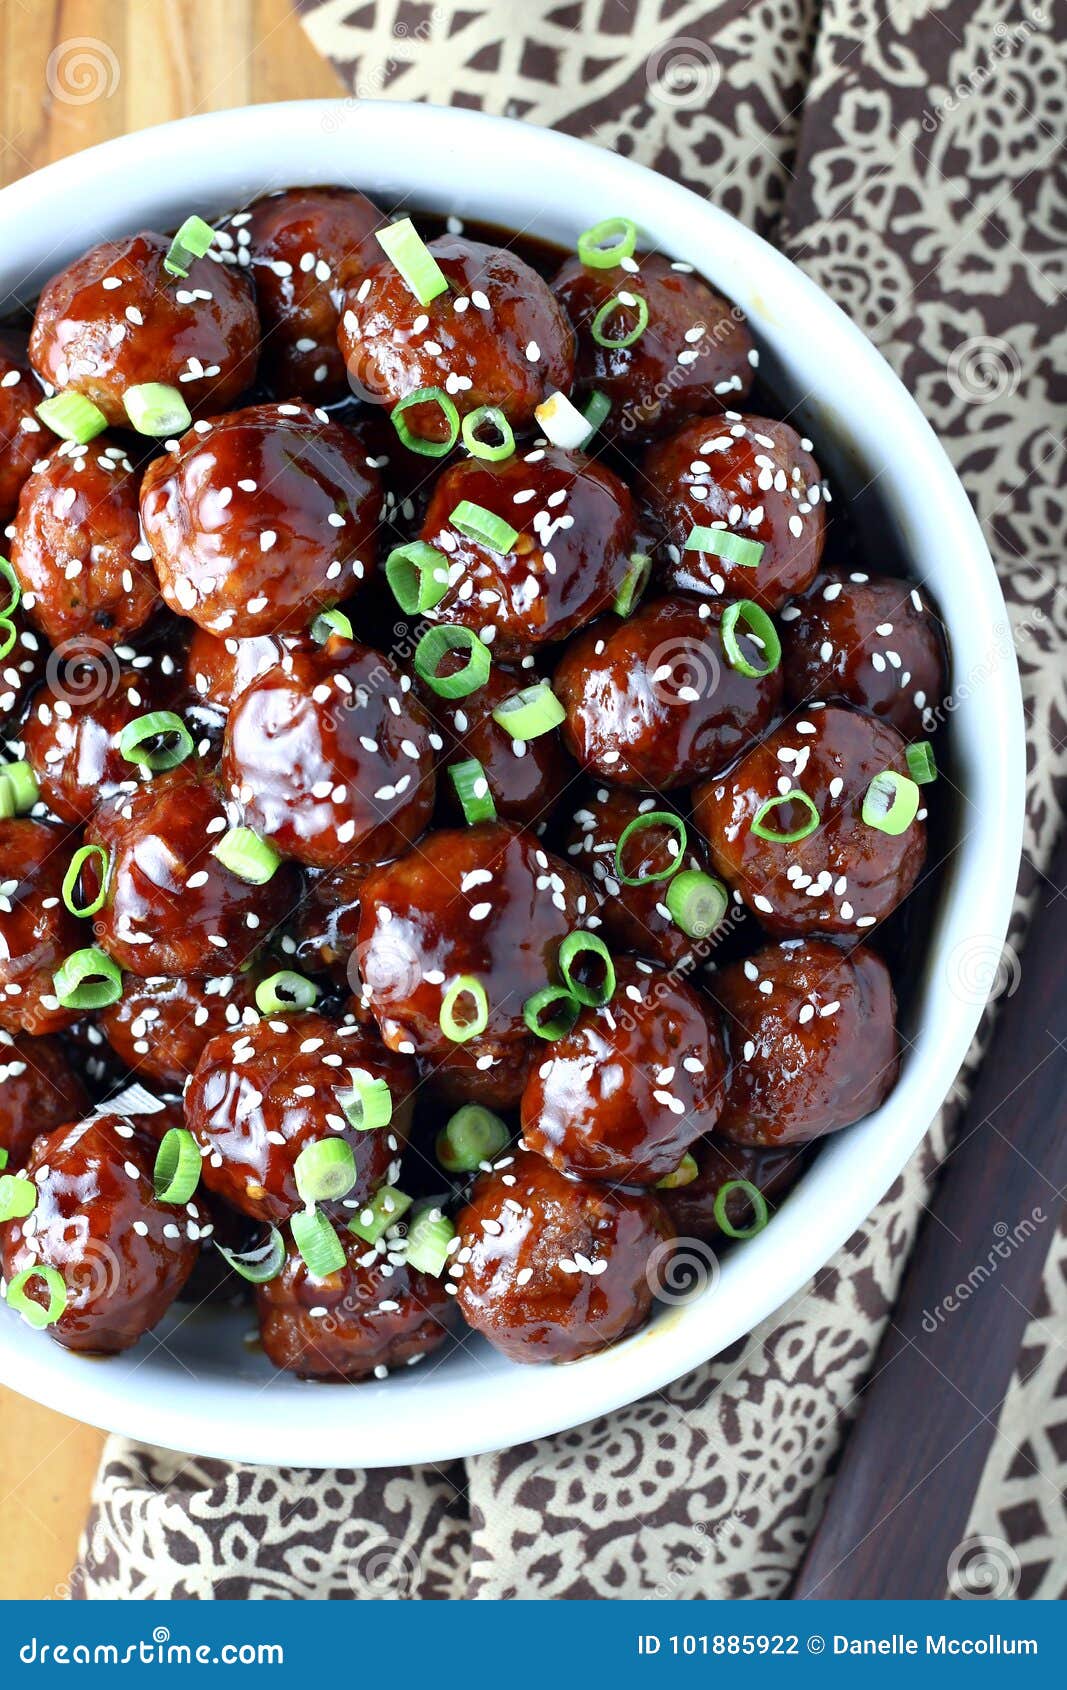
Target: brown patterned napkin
903	154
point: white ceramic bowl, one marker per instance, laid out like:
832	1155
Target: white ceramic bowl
195	1385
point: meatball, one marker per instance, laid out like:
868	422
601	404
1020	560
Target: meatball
551	1268
261	521
39	1091
77	547
813	1040
36	930
261	1094
772	1172
824	867
494	336
694	355
330	756
656	701
21	441
305	243
72	742
172	906
471	914
524	777
752	478
635	918
574	523
874	641
217	670
116	319
160	1026
373	1314
123	1255
492	1072
624	1094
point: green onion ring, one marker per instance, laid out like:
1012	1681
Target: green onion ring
325	1171
435	644
607	243
408	253
7	574
245	854
19	791
192	241
367	1102
284	992
471	1136
575	946
157	410
488	416
18	1197
483	526
328	623
891	802
466	986
720	542
32	1312
8	636
472	790
697	902
566	1010
922	765
651	818
176	1173
320	1248
414	442
383	1210
757	624
158	724
72	416
429	1237
621	301
794	796
527	714
755	1197
73	874
684	1174
633	585
262	1263
87	980
418	576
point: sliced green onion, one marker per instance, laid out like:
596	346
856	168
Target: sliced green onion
563	423
414	442
18	1197
408	253
684	1174
325	1171
367	1102
733	548
607	243
483	526
284	992
435	644
383	1210
459	1031
488	416
320	1248
176	1174
758	626
472	790
891	802
32	1312
534	711
597	411
922	765
87	980
418	575
429	1237
192	241
72	417
73	874
157	410
624	301
262	1263
755	1197
246	855
634	583
697	902
19	791
8	636
791	837
136	741
7	574
3	1157
329	623
574	948
651	818
551	1012
472	1136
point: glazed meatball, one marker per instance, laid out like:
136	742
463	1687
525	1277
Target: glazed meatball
36	930
771	1171
524	777
492	1072
160	1026
217	670
72	742
77	547
624	1094
753	478
813	1041
116	319
574	535
635	918
471	911
261	521
842	876
373	1314
305	243
551	1268
874	641
695	354
656	701
495	336
39	1091
261	1094
22	435
172	907
122	1255
329	755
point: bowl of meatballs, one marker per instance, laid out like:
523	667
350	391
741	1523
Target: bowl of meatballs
510	768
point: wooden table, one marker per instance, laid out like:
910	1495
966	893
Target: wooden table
143	62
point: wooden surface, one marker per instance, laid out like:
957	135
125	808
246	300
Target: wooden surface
71	75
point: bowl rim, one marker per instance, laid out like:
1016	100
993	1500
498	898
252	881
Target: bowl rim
379	1426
